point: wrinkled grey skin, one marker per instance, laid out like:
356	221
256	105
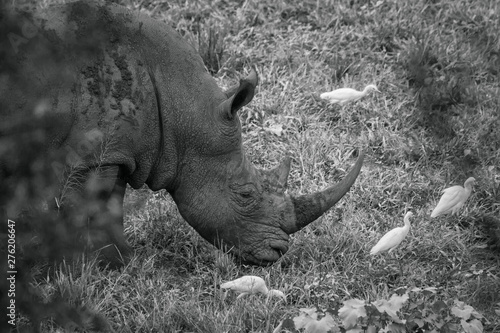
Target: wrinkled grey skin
140	102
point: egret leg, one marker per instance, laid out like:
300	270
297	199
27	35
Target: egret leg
399	264
400	267
395	257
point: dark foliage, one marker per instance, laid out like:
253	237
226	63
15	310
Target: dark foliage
439	88
44	234
491	228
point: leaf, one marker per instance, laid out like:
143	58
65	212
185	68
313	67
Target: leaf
303	319
398	300
354	303
310	312
384	306
323	325
355	330
432	318
419	322
451	327
288	324
396	328
474	326
417	305
400	291
462	310
438	323
307	321
351	311
371	329
438	305
392	306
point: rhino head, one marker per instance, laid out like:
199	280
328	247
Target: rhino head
234	205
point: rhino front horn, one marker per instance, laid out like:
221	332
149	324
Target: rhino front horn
308	208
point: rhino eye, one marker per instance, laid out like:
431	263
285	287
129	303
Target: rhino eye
244	194
245	191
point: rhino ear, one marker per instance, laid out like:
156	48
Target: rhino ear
239	96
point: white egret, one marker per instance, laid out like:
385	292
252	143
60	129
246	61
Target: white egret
453	198
393	238
249	284
344	95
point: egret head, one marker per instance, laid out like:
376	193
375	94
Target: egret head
408	215
371	87
277	293
470	181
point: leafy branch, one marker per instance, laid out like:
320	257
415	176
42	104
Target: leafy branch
412	310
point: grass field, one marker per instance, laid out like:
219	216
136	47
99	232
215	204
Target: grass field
435	123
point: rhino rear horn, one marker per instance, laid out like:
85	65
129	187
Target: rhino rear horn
239	96
277	177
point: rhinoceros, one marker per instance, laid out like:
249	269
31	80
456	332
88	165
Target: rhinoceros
134	101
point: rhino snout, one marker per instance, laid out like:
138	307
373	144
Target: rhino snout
267	255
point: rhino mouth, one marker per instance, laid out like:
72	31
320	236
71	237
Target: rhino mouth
264	258
266	255
275	251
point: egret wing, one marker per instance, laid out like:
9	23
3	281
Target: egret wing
244	284
342	94
451	197
328	96
391	239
